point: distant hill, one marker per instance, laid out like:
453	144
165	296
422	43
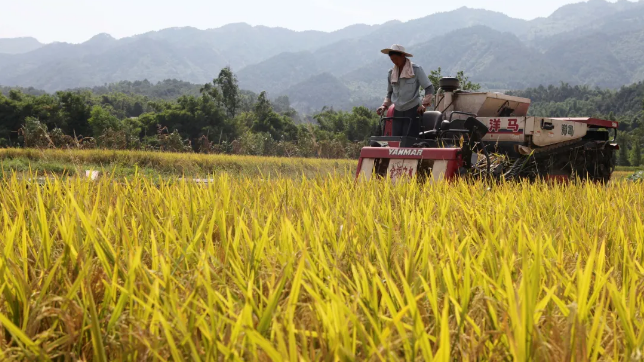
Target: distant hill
319	91
185	53
580	17
278	73
594	43
497	60
605	69
240	45
18	45
350	54
501	53
72	66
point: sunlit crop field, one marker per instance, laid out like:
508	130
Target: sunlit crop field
165	164
319	269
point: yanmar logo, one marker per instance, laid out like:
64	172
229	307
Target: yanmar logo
405	152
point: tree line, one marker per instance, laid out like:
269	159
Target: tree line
217	117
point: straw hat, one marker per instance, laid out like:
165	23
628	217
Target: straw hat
396	48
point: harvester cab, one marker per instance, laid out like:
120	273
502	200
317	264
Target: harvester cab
483	134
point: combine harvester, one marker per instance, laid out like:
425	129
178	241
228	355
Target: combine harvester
489	135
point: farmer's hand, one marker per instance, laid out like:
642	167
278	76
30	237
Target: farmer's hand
427	101
381	110
421	109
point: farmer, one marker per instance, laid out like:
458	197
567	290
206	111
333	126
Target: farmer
403	90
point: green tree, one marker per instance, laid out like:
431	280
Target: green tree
435	76
76	112
101	120
227	82
132	127
363	124
636	153
268	121
357	125
623	159
208	90
263	106
244	122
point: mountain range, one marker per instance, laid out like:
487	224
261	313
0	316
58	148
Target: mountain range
598	43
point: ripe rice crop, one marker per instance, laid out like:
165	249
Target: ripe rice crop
319	269
72	162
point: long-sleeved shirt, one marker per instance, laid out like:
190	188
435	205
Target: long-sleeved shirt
405	93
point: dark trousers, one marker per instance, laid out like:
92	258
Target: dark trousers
400	126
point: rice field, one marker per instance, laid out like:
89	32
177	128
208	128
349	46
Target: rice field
319	269
164	164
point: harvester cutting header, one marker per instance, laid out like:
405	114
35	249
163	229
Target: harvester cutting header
481	134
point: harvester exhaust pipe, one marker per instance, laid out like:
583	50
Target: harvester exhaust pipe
448	85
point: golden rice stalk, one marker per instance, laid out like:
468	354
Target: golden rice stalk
319	269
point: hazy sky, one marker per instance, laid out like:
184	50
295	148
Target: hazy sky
78	20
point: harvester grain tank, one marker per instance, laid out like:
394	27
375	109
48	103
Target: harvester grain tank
490	135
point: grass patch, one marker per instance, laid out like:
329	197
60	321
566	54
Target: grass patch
629	168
